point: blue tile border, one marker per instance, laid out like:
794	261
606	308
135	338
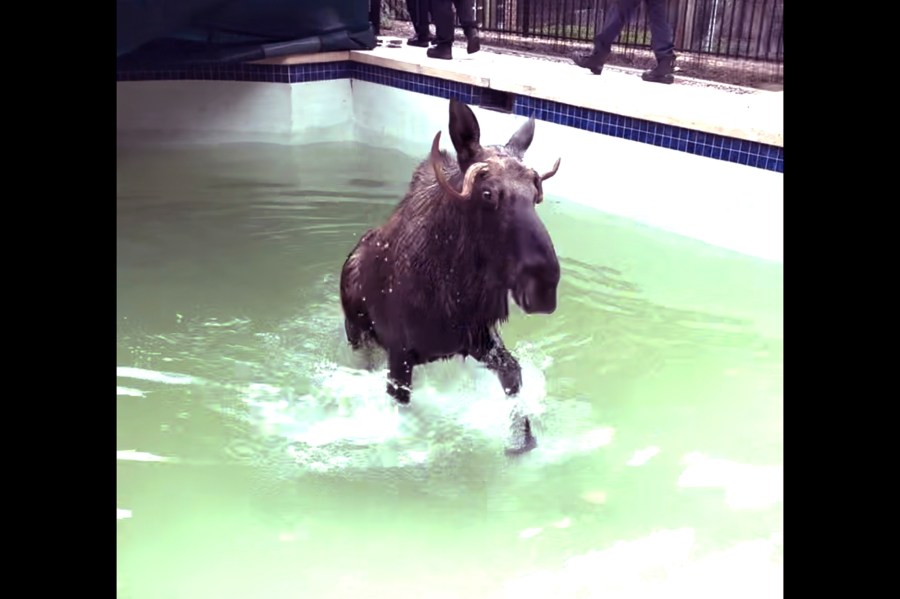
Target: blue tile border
423	84
271	73
710	145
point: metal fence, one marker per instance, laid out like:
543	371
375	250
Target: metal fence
749	30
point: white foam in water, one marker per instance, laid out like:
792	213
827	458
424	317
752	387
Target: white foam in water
128	391
642	456
559	447
154	376
662	565
311	420
132	455
530	532
746	486
349	421
343	419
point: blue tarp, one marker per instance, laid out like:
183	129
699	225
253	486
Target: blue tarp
238	30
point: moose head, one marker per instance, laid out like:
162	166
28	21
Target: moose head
498	183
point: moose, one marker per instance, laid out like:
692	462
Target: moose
434	280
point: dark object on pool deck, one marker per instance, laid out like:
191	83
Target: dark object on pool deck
434	280
161	33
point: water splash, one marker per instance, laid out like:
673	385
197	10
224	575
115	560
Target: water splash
348	423
299	400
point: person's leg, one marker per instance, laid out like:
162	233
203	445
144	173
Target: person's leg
616	18
442	14
465	11
662	42
615	21
418	16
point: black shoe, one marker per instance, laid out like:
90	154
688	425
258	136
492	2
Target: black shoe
443	51
418	41
473	44
663	73
593	61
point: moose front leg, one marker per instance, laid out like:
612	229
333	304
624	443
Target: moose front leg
400	365
493	354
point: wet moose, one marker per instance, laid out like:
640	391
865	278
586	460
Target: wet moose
434	280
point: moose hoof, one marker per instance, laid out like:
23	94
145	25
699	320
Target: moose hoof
527	445
512	382
523	444
399	393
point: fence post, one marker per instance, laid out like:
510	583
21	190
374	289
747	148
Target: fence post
599	16
684	27
526	17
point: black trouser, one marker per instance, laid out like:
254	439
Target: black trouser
662	40
442	14
418	16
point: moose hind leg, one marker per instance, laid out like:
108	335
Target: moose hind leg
354	333
400	366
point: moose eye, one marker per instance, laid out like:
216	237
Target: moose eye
486	194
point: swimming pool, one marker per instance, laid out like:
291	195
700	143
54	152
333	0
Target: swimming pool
258	460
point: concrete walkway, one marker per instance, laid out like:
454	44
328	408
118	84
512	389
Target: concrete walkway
740	112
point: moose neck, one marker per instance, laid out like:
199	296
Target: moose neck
450	248
469	257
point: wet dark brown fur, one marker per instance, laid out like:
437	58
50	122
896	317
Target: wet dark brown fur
434	280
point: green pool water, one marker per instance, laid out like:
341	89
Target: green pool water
256	459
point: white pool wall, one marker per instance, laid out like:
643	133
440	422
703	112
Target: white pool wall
725	204
722	203
235	111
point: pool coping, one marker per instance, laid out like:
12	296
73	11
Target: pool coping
733	111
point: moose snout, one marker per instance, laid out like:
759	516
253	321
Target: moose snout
536	294
535	286
537	273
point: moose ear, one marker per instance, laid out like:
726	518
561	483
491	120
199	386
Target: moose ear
521	139
464	133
